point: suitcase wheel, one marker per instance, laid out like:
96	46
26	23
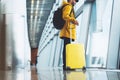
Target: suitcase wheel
84	69
68	68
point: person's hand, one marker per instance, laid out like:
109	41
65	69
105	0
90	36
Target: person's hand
76	22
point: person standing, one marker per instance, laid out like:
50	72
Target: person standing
68	32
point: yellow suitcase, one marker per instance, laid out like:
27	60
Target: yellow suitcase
75	56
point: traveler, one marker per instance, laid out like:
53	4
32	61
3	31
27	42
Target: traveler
68	32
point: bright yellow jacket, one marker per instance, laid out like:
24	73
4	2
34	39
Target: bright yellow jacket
69	17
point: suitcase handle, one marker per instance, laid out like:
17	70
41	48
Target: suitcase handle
71	40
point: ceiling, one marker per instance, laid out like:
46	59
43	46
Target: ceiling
37	14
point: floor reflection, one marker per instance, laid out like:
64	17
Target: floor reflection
18	74
78	75
59	74
34	74
50	75
75	75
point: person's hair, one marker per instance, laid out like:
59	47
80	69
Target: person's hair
75	0
68	0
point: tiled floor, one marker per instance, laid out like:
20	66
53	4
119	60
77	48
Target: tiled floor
58	74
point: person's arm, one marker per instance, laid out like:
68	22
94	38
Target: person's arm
66	14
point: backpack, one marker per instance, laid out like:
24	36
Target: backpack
58	21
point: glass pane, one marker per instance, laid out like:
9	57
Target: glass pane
98	36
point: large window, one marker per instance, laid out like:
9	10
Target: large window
98	35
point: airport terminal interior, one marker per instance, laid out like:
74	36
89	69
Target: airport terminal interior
31	49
